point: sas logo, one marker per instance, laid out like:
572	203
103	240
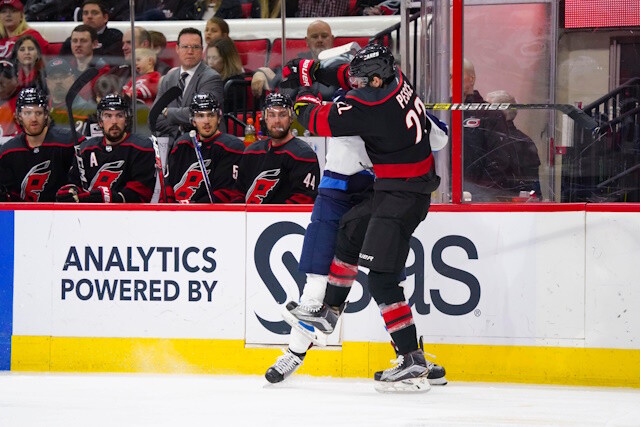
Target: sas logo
269	273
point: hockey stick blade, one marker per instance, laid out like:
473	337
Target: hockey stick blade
160	104
579	116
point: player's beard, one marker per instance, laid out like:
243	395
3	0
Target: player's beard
35	130
206	134
114	133
279	133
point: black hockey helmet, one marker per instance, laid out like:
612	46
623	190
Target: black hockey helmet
114	102
276	99
204	102
373	60
32	96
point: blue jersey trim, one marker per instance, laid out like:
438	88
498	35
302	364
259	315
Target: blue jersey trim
6	287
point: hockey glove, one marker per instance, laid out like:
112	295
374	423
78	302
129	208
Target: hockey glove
299	72
68	193
305	98
97	195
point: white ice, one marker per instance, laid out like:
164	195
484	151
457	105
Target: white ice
71	400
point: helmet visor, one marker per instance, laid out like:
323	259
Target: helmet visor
358	82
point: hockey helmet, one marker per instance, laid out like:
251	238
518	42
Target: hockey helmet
114	102
276	99
32	96
204	102
371	61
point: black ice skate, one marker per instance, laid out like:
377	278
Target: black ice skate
408	376
285	365
317	322
436	372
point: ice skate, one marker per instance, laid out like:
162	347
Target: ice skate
436	372
285	365
316	321
409	375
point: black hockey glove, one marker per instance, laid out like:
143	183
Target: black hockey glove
97	195
68	194
299	72
304	98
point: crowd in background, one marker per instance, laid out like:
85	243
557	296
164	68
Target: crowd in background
207	63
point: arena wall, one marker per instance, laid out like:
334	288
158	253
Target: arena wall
543	294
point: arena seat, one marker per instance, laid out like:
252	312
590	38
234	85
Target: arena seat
253	53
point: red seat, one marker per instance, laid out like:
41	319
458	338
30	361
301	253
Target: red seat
54	48
362	41
253	53
294	47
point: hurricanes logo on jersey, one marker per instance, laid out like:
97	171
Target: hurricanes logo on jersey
34	182
262	186
190	182
107	175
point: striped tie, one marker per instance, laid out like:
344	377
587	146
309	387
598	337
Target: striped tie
181	84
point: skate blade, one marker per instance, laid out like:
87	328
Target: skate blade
413	385
438	381
318	337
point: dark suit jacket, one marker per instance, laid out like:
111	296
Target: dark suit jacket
204	80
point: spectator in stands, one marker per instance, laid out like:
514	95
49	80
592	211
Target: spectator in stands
377	7
215	28
84	40
60	77
280	169
8	94
34	164
223	57
142	40
271	8
158	45
109	40
144	10
192	76
511	159
314	8
184	10
118	167
221	153
147	78
227	9
27	57
319	38
13	26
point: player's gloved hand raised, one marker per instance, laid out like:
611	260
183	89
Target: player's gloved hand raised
299	72
305	98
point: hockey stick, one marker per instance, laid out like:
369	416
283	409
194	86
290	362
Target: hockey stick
580	117
82	80
203	169
160	104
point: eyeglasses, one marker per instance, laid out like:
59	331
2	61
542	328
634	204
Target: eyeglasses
190	46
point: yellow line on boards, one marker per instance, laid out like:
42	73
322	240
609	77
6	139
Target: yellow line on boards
463	362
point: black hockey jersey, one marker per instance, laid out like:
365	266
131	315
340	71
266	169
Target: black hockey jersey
35	174
392	122
127	168
288	173
221	153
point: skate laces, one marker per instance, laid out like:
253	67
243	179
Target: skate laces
430	364
287	362
397	362
310	306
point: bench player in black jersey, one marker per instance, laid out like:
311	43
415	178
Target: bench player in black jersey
118	167
35	163
282	168
221	153
385	112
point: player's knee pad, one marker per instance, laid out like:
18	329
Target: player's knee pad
384	288
386	246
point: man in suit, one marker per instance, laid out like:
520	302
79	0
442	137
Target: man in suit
193	76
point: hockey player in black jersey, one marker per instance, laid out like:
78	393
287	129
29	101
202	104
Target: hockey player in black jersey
35	163
384	110
221	153
118	167
283	168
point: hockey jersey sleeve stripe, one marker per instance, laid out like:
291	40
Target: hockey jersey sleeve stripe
297	158
319	122
343	76
403	170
